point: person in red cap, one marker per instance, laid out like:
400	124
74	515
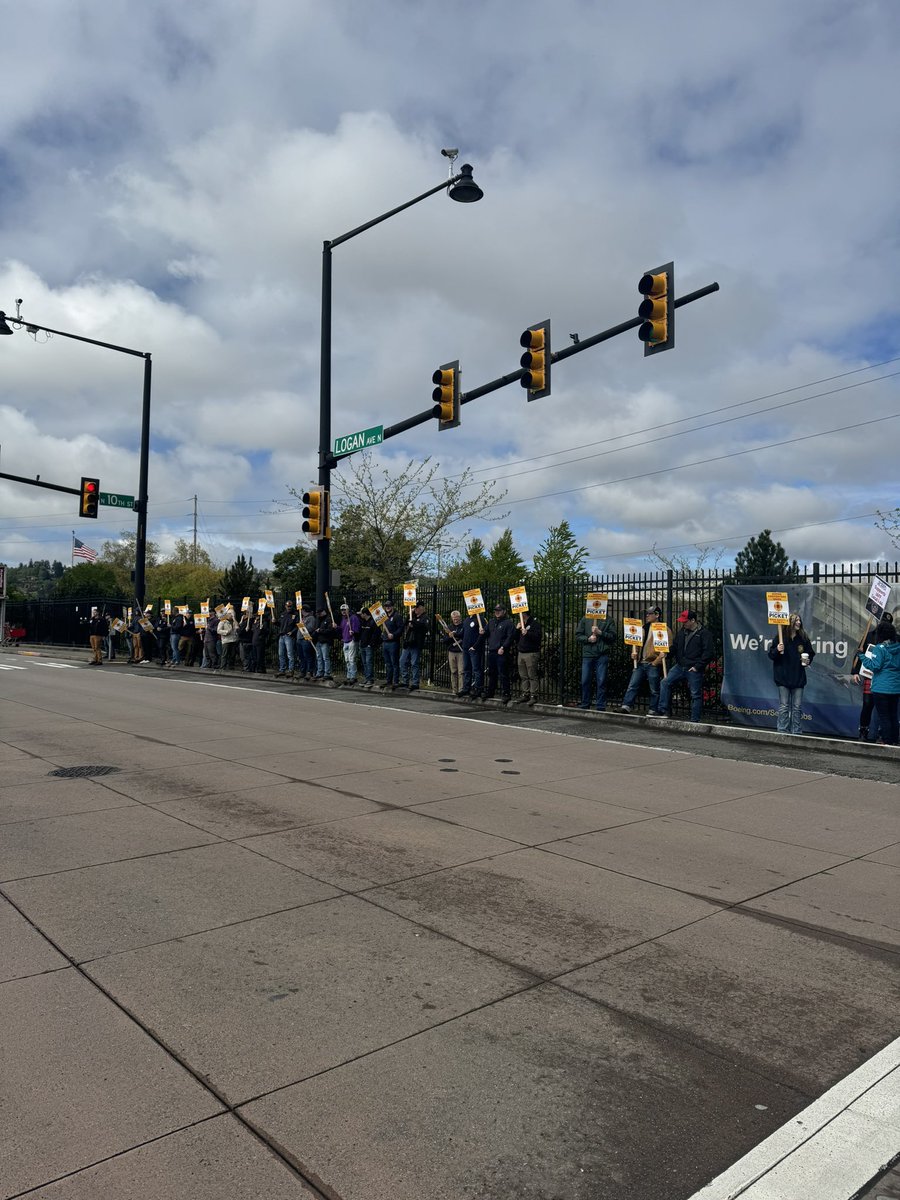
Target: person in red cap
693	651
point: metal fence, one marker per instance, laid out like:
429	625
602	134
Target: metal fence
558	604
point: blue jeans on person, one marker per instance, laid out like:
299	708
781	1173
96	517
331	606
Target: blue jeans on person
593	671
286	652
410	669
790	709
367	662
473	671
641	672
694	680
174	639
306	652
498	671
323	660
391	653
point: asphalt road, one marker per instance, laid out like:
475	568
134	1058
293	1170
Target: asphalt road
308	943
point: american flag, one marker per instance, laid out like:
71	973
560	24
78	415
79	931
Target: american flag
80	550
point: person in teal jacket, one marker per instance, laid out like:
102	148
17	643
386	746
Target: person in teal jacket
881	664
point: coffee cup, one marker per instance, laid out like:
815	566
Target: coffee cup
804	658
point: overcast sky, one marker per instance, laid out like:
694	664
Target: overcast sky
169	171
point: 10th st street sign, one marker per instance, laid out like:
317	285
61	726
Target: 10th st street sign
111	500
351	442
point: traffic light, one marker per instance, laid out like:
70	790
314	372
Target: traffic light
315	513
446	395
536	360
90	497
657	309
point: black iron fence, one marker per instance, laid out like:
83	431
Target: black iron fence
559	605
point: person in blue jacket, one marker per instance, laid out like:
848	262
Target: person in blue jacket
881	664
791	656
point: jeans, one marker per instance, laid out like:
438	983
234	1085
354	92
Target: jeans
694	680
367	662
593	670
286	652
790	709
409	666
641	672
886	705
306	653
498	671
210	655
391	652
473	671
174	639
248	656
323	660
350	660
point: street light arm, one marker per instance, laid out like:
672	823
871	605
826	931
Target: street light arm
345	237
25	323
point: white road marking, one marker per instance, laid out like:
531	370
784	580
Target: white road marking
832	1149
10	667
63	666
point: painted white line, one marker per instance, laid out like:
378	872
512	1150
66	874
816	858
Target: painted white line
10	667
830	1150
63	666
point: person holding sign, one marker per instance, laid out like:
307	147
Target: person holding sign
881	664
791	655
452	637
391	636
595	636
693	651
473	656
868	700
414	637
530	635
648	663
501	633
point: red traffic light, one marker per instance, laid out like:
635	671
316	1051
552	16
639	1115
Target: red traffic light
90	497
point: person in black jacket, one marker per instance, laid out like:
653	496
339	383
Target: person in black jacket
790	657
369	638
473	656
98	628
414	637
501	633
693	651
391	637
530	635
287	641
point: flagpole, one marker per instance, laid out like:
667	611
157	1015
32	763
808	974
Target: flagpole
72	562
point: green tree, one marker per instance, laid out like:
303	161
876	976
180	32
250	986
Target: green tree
89	581
239	580
764	561
505	565
187	582
294	570
119	557
560	555
470	571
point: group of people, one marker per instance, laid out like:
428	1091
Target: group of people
481	650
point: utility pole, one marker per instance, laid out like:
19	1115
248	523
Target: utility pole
194	551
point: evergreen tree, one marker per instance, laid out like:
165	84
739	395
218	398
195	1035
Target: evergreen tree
505	566
764	561
239	580
560	555
470	571
294	570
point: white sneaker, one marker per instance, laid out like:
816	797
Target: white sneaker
659	716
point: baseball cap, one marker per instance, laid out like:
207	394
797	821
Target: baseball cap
654	608
687	615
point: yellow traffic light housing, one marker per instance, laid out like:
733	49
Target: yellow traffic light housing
315	513
657	309
446	395
536	360
90	497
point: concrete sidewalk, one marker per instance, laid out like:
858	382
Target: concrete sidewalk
304	944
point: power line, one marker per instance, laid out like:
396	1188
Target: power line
701	462
693	417
681	432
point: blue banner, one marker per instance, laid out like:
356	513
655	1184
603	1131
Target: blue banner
835	618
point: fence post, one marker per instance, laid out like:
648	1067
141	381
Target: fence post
816	572
434	628
670	575
562	641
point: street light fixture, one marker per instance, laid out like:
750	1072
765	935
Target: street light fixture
140	504
460	187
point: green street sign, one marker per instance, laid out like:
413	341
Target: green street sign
111	500
357	441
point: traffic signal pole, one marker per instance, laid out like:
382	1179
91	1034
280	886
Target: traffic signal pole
513	376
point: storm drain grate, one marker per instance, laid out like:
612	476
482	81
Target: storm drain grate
83	772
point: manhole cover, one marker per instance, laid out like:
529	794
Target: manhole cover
83	772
